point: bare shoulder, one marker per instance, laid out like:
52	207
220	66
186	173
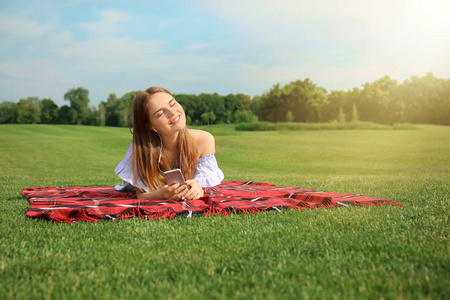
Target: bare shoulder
204	140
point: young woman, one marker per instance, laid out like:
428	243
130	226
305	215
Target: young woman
161	142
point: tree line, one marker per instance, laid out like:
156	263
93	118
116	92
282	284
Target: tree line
203	109
417	100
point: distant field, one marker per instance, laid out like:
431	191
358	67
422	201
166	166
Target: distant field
351	253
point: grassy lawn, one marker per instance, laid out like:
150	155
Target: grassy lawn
343	253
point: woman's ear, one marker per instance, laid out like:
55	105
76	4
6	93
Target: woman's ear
148	124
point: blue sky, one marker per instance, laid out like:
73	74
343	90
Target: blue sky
232	46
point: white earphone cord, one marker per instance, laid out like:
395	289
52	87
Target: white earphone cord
160	149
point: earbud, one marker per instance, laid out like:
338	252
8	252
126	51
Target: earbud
154	129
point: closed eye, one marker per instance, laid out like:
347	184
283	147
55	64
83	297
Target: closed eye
160	112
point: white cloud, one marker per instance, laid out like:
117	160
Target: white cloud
20	30
40	69
106	54
199	46
111	21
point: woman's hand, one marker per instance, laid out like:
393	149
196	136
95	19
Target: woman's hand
191	189
195	190
174	192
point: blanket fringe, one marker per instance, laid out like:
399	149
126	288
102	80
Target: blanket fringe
138	212
213	211
252	210
83	215
129	214
167	213
59	219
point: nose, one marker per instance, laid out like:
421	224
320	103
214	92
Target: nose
170	112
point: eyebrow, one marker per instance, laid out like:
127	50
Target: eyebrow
173	99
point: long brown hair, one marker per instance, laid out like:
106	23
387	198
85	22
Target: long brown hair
147	144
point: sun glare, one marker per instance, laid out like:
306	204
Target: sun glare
431	17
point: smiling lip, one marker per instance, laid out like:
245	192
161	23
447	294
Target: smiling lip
175	120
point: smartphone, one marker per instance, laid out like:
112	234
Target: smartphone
174	176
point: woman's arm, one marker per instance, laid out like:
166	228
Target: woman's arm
172	192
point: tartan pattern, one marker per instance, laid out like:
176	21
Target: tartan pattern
93	203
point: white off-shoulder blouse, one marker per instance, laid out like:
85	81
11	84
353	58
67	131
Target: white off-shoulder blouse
208	172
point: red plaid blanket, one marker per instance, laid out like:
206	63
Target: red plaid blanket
93	203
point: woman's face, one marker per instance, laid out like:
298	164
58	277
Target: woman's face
166	114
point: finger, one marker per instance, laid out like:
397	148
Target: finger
173	187
192	183
180	192
194	193
190	192
181	188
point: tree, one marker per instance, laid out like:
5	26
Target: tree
228	117
255	107
198	108
214	103
246	100
212	117
79	100
355	115
232	103
426	99
112	117
205	118
49	113
317	103
244	116
289	116
101	109
124	106
378	101
341	116
8	112
336	101
91	116
272	105
29	111
67	115
208	118
304	99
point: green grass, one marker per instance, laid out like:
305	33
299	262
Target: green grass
295	126
343	253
